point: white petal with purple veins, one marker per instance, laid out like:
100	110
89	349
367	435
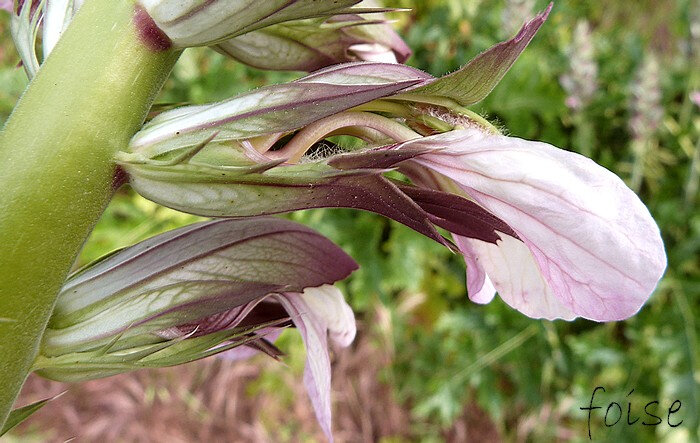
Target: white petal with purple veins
326	304
594	242
56	19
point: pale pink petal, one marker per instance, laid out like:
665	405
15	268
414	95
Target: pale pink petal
695	97
479	286
7	5
520	283
594	242
327	305
373	52
318	312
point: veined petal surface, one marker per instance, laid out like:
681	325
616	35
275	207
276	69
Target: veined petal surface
308	45
593	241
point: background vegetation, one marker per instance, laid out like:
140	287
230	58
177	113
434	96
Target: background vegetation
610	79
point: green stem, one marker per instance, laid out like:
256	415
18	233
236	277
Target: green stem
56	167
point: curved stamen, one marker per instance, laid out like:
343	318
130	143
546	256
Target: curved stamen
365	134
263	143
405	111
344	123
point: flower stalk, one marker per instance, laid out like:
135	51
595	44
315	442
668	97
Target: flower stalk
90	96
422	159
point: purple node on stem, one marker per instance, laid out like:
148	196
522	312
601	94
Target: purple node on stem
150	34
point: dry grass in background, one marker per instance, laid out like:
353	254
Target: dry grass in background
217	401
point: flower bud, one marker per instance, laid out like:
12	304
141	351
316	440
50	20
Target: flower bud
308	45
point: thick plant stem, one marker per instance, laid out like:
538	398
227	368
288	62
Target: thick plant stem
56	168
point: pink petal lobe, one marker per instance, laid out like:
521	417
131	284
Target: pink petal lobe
594	242
317	313
373	52
479	286
516	276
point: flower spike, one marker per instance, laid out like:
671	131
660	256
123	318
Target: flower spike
516	226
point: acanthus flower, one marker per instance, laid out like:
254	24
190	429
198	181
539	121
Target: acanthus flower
205	289
555	234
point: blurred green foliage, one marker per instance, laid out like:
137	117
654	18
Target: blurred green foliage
532	377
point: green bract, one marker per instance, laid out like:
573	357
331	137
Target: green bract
183	295
185	275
